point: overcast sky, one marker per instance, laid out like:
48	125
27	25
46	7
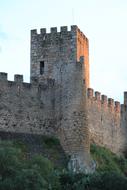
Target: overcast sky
104	22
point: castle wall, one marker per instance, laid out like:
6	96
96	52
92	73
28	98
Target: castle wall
26	108
107	122
124	125
52	109
49	109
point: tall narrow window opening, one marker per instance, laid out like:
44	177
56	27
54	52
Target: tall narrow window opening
41	67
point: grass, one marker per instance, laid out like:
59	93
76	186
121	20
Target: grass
47	146
21	145
108	161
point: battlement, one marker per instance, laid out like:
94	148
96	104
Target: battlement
97	95
124	105
56	46
54	31
125	98
3	76
18	80
103	100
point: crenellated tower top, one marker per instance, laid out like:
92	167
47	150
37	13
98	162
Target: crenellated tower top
50	50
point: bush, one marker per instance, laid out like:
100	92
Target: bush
16	172
38	173
108	181
50	141
46	170
108	161
10	160
70	181
122	162
97	181
29	179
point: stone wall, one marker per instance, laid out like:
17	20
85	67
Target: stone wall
123	123
26	108
107	122
49	109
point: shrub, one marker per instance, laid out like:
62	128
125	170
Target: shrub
50	141
96	181
106	160
16	172
108	181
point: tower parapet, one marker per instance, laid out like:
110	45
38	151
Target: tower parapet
103	101
111	103
18	78
117	106
125	98
50	50
97	95
90	93
3	76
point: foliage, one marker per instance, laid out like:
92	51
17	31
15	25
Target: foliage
45	168
70	181
122	162
19	144
17	171
108	181
54	149
108	161
50	141
96	181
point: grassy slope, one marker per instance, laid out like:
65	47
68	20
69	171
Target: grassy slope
50	148
18	165
108	161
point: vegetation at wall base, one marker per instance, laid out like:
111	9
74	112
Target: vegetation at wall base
18	171
107	161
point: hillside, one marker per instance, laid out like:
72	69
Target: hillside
39	163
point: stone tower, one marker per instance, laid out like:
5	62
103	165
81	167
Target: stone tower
63	57
51	51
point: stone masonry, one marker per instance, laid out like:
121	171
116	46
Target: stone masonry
59	101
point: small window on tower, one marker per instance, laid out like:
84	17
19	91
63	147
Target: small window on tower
41	67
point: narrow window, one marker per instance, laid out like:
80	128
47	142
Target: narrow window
41	67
